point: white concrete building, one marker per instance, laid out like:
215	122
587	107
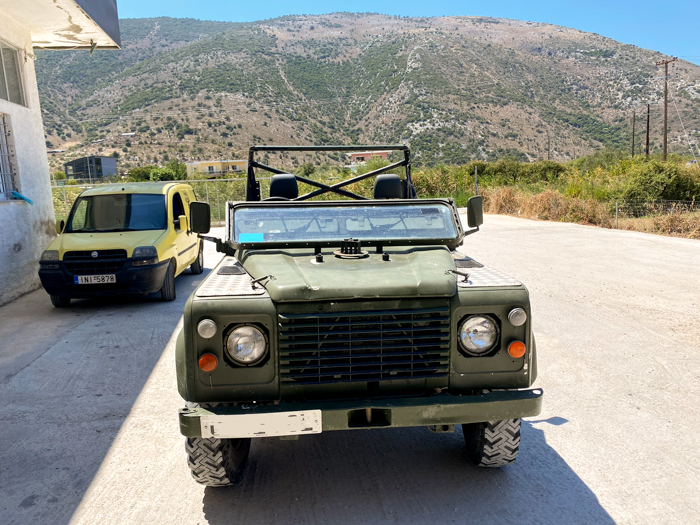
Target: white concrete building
24	171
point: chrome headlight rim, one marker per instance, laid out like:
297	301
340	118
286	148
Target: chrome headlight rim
262	358
490	350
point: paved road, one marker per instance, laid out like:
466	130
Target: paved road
88	427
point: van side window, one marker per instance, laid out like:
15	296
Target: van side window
178	208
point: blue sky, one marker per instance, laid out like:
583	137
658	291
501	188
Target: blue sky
671	27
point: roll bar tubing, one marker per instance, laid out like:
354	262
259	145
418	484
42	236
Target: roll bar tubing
253	186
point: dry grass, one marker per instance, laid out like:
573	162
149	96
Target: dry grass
550	205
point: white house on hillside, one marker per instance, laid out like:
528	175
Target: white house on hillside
24	171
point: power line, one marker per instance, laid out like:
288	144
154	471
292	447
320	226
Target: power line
687	138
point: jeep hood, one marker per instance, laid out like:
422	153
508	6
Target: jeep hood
296	276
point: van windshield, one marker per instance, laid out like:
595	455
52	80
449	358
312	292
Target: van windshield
117	212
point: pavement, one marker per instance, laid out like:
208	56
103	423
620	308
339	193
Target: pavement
89	431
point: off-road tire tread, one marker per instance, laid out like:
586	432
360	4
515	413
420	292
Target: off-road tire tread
167	292
217	462
493	444
60	301
197	266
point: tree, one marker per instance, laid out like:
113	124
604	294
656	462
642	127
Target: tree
59	175
178	168
141	173
158	174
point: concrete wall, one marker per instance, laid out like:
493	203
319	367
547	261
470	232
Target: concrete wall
25	230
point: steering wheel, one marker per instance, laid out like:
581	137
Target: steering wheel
277	199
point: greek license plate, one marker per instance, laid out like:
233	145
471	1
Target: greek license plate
261	425
94	279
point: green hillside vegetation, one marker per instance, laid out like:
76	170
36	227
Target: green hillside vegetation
456	89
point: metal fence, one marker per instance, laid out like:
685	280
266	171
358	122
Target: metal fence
639	209
671	217
677	218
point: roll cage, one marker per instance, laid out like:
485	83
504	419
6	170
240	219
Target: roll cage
253	185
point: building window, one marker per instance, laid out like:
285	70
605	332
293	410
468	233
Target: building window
7	159
10	76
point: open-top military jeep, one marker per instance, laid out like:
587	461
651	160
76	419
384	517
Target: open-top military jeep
350	314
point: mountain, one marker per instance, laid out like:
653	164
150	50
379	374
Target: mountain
453	88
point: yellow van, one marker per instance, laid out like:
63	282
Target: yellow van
122	238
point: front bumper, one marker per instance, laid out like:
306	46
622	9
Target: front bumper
130	279
443	409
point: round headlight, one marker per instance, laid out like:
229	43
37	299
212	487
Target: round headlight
478	335
246	344
206	328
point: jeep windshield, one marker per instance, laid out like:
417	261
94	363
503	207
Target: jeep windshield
117	212
409	222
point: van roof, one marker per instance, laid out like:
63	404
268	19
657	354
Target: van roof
132	187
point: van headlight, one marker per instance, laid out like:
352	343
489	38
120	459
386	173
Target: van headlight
49	255
246	345
144	255
478	334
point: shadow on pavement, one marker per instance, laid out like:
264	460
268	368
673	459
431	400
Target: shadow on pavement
402	476
63	408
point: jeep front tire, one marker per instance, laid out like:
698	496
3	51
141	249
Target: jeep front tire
217	462
493	443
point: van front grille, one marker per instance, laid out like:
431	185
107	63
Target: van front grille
83	263
364	346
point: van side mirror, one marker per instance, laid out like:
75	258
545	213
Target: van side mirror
200	217
60	225
475	211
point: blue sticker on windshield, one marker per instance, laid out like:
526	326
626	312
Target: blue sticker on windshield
250	237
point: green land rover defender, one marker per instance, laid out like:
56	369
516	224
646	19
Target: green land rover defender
350	314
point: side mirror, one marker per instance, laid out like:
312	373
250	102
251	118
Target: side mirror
200	217
475	211
60	225
181	222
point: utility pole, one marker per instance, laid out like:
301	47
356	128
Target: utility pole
634	121
648	105
665	63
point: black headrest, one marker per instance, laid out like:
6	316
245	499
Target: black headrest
388	187
284	185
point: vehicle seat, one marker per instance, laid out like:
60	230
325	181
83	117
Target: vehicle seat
284	186
388	187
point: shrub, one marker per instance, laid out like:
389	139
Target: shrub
159	174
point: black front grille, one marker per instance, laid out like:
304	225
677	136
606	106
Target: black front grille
83	263
364	346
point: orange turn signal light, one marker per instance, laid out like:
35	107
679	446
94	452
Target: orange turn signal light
516	349
208	362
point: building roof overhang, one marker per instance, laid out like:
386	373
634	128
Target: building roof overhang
67	24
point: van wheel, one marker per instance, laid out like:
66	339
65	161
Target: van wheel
217	462
60	301
167	292
197	266
493	443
